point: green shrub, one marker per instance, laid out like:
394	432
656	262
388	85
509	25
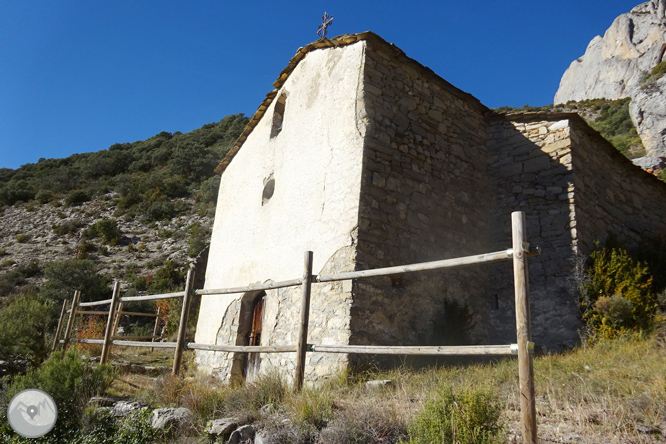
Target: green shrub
66	276
107	229
83	248
24	324
44	196
71	382
77	197
12	280
67	227
196	245
618	294
659	70
98	427
466	417
22	238
136	429
209	190
157	210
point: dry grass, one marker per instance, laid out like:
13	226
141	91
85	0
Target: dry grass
612	392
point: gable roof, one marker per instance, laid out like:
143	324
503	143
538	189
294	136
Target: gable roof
341	40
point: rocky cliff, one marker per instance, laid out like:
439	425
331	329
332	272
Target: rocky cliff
617	64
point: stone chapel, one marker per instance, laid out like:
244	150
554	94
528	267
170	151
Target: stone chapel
370	159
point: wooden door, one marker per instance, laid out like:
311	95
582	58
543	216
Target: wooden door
254	359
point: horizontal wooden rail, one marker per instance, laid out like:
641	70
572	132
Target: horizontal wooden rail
94	303
242	348
454	350
144	344
178	294
134	337
445	263
253	287
87	341
83	312
135	313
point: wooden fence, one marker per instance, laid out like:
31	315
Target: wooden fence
523	349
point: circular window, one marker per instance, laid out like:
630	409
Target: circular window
269	189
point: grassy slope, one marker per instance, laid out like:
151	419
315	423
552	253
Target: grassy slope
613	392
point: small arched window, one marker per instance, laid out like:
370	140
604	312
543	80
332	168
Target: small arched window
278	115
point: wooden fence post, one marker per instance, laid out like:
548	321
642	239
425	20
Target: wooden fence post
305	318
523	328
110	323
116	320
70	320
182	328
157	324
59	328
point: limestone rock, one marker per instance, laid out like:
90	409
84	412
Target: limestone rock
124	408
179	417
242	435
379	383
222	426
652	163
613	64
648	111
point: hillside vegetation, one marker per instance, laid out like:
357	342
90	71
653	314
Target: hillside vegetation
137	212
146	175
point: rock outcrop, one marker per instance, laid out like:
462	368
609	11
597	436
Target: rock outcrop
648	112
615	65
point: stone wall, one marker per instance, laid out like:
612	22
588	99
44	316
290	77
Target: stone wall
530	169
313	205
613	196
424	197
576	190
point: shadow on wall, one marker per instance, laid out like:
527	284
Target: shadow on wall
530	170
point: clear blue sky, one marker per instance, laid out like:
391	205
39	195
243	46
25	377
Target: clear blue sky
79	76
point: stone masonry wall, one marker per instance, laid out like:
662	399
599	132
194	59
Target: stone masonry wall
530	168
424	196
329	324
613	196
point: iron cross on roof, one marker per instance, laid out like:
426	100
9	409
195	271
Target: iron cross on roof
327	21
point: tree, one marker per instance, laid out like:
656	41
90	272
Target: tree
65	277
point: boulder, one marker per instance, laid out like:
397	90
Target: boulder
379	383
651	163
179	418
124	408
242	435
222	426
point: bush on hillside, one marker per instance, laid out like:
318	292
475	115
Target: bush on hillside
463	417
71	382
24	325
66	276
107	229
77	197
617	295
